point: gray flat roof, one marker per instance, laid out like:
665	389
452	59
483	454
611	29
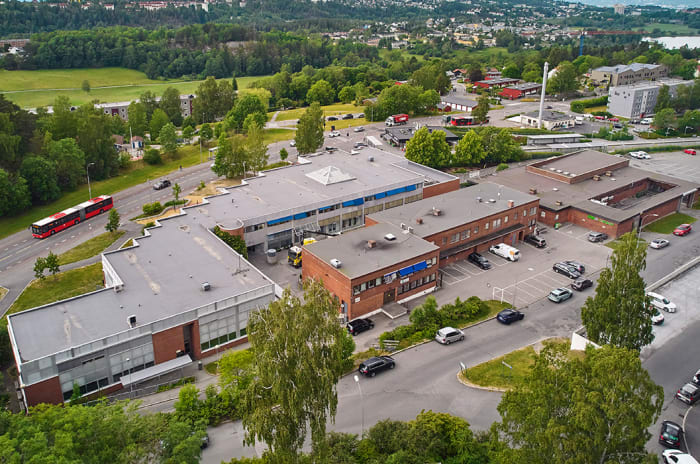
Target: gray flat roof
406	133
553	136
626	67
289	190
594	160
549	115
162	277
579	194
359	260
525	86
457	208
458	99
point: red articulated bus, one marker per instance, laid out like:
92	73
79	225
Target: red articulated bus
71	216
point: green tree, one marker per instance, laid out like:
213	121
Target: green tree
256	148
41	175
150	102
152	157
346	94
14	194
39	268
428	148
663	100
665	119
283	154
231	157
52	263
158	120
168	138
309	134
85	86
621	287
176	191
238	245
254	119
113	221
289	339
10	154
599	407
321	91
512	71
470	149
138	121
206	133
213	100
170	104
188	133
69	160
565	80
690	121
94	136
249	104
481	112
63	121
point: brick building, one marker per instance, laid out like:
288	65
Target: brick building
496	83
520	90
600	192
626	74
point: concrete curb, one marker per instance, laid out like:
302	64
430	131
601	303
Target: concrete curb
685	267
685	439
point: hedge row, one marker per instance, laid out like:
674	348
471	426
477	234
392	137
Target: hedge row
578	106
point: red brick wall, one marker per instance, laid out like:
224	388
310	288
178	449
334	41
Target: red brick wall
333	279
439	189
581	218
550	217
511	93
166	344
662	210
46	391
239	231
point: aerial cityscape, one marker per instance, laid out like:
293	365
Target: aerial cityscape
239	232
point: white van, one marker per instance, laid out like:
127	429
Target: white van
674	456
646	121
661	302
505	251
579	120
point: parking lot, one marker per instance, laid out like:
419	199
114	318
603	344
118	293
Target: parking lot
672	163
531	278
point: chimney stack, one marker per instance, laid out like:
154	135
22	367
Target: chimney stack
511	203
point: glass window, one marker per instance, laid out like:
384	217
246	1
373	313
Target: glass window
444	240
378	281
454	238
434	261
542	214
356	290
465	234
556	216
363	286
370	284
533	210
505	220
476	230
524	212
486	226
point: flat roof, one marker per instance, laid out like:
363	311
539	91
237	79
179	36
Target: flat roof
649	85
458	99
358	259
162	277
525	86
553	136
578	195
549	115
594	160
290	190
457	208
499	80
626	67
406	133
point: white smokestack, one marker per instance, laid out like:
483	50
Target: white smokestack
544	88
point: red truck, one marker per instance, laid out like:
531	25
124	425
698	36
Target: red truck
396	120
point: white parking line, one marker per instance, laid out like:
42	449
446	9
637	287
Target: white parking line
466	269
444	269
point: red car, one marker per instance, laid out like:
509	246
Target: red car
683	229
690	151
600	117
614	120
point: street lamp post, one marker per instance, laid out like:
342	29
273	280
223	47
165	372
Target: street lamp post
87	170
128	361
362	401
641	221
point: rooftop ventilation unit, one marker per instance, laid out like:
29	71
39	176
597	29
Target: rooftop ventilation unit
559	171
370	158
371	243
511	203
403	226
566	173
419	220
555	189
436	211
492	200
131	320
118	288
596	177
552	169
478	199
533	191
336	263
206	286
410	230
390	237
608	173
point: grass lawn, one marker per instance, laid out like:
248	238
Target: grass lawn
593	109
667	224
3	292
667	28
90	248
696	205
278	135
31	89
59	287
128	243
329	110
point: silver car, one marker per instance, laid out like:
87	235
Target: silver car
447	335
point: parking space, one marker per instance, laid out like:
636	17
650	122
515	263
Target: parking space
672	163
531	278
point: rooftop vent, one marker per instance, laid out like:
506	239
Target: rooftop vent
419	220
371	243
118	288
370	158
131	320
566	173
558	203
572	174
492	200
596	177
478	199
552	169
403	226
559	171
436	211
608	173
336	263
390	237
206	286
533	191
511	203
410	230
555	189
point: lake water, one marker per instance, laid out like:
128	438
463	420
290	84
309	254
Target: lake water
692	41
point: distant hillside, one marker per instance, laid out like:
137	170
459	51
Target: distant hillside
662	3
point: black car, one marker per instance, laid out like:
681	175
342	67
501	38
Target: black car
581	284
566	270
359	325
331	118
331	149
376	364
509	315
535	240
576	265
479	260
348	116
360	145
670	434
161	184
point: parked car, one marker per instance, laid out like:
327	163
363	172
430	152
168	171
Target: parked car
560	294
205	441
642	155
354	152
657	318
361	115
359	325
447	335
696	378
331	149
293	143
661	302
690	151
505	251
646	120
614	120
334	134
535	240
372	366
617	125
360	145
688	393
479	260
670	434
581	284
658	243
600	118
359	129
509	315
683	229
566	270
597	237
576	265
331	118
161	184
348	116
672	456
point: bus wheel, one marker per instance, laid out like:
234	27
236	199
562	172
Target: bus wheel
52	232
101	211
77	221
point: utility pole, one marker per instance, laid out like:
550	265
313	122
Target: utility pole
87	170
544	88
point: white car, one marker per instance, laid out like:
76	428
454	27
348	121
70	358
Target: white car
657	318
658	243
293	143
646	121
359	129
642	155
674	456
334	134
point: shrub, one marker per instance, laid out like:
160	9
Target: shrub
174	203
502	167
578	106
151	209
124	160
152	156
146	226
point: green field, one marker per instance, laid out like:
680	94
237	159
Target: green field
668	28
667	224
31	89
328	110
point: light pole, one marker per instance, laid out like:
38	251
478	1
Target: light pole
87	170
641	221
362	401
128	361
